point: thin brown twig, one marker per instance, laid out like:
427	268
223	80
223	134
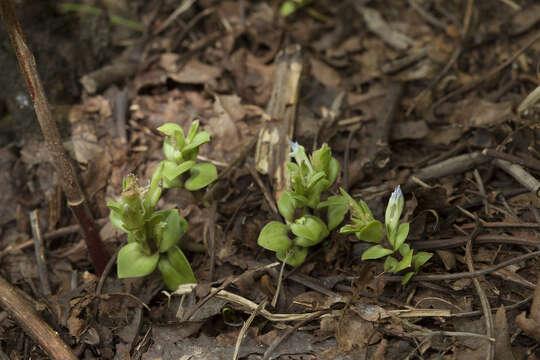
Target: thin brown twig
246	326
212	239
474	83
25	315
520	175
263	188
61	161
486	310
482	189
482	239
530	163
468	275
289	331
345	180
39	249
223	286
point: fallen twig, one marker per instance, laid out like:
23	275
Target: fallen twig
40	254
467	275
486	310
27	318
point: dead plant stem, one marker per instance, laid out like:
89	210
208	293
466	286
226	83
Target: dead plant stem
60	159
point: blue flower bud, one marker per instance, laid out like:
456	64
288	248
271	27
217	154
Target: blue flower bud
394	210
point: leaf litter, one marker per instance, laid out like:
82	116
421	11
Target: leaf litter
458	99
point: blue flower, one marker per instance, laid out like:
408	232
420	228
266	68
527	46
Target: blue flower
294	148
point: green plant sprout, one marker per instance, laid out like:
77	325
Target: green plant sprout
181	153
366	228
154	236
301	206
289	7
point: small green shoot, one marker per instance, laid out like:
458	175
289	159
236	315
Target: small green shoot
301	205
181	153
366	228
154	235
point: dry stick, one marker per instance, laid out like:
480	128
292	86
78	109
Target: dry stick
528	163
481	239
40	254
263	188
467	275
223	286
474	83
246	326
289	331
481	294
118	70
520	174
379	153
212	241
482	189
506	308
25	315
121	104
61	162
427	16
451	166
345	180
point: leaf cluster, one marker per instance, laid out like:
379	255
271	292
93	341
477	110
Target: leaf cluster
154	236
301	205
181	153
366	228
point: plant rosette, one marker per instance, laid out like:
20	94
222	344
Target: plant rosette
310	176
181	153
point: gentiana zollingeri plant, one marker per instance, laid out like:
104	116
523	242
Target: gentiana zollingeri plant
366	228
301	206
154	235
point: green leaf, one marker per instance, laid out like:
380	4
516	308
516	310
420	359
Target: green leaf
311	228
170	129
174	227
372	232
398	238
193	131
407	277
116	206
303	242
116	220
390	263
314	178
175	269
198	140
287	205
172	170
405	262
336	211
201	175
288	8
333	171
174	183
376	252
404	249
294	257
134	262
359	209
274	237
154	192
170	151
320	159
420	259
